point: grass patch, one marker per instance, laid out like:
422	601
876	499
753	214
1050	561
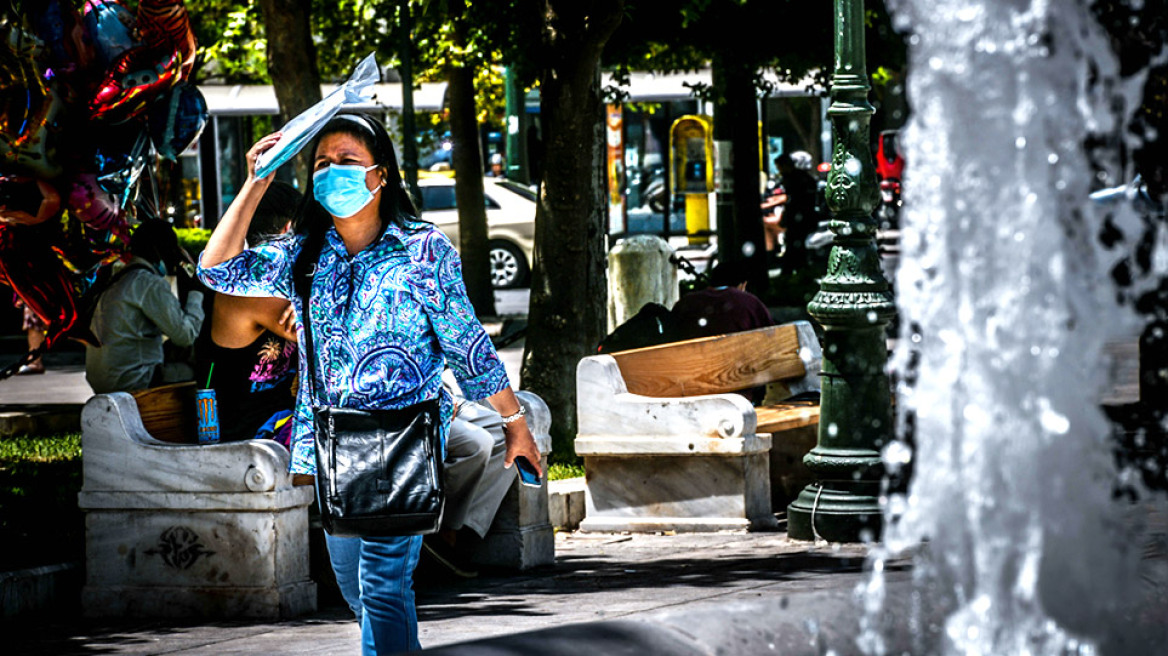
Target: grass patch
40	523
558	472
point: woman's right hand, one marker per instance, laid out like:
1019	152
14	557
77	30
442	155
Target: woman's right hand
230	235
259	147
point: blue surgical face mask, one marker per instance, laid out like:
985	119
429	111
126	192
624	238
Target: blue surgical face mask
341	189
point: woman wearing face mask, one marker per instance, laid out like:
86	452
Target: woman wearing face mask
389	311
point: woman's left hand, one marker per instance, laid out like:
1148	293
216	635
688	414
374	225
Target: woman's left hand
520	442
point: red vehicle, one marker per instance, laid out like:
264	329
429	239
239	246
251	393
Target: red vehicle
890	168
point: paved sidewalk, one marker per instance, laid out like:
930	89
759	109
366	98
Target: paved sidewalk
596	577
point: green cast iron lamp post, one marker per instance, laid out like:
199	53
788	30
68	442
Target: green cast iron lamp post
854	304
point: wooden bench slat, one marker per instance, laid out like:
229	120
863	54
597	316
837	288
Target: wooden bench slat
713	365
786	416
168	412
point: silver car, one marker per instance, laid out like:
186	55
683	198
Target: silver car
510	223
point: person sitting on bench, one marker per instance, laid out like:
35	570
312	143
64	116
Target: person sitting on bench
248	352
724	307
138	309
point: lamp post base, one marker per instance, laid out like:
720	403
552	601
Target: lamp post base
835	515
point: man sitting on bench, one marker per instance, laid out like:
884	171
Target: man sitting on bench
724	307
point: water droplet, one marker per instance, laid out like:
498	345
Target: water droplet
968	13
1052	421
897	453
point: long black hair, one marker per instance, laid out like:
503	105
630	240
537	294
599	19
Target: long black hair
313	221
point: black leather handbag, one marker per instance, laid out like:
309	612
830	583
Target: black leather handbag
378	472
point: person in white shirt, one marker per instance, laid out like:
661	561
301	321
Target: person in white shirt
137	310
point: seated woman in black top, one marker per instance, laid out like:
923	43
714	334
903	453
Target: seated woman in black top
248	353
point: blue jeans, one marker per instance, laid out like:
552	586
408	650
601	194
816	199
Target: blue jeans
376	579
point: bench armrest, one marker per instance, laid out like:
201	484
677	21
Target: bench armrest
539	419
120	455
605	407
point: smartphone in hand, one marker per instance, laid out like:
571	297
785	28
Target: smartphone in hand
527	474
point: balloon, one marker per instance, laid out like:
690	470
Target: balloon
177	121
29	109
109	26
84	250
40	280
29	201
136	79
96	207
20	193
59	25
166	24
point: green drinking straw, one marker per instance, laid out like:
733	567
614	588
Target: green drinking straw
209	372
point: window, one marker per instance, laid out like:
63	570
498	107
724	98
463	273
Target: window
441	197
438	197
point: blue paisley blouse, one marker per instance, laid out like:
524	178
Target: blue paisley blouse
385	323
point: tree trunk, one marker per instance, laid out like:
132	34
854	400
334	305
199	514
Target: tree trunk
292	64
742	102
740	232
468	185
566	318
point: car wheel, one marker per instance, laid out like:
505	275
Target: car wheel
508	265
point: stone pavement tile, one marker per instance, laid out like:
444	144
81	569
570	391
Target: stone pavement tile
58	385
595	577
331	631
606	576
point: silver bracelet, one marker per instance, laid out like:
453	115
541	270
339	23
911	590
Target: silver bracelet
515	417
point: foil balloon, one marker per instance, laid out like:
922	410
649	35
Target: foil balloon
20	194
109	26
85	250
39	278
177	121
165	24
136	79
59	26
95	207
29	108
28	201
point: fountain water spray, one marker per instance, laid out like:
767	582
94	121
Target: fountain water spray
1006	305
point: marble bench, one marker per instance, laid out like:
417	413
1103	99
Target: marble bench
177	529
522	535
667	445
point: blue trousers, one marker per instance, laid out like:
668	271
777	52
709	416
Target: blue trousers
376	579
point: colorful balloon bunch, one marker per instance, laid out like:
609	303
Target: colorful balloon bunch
91	95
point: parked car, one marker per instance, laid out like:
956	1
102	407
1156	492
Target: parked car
510	223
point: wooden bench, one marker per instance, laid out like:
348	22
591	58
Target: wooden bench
668	445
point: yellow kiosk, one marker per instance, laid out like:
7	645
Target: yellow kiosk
691	158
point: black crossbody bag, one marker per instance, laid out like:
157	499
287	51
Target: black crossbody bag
378	472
